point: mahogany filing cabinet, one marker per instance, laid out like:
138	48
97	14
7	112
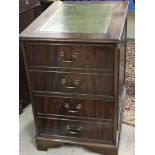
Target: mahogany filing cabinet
74	56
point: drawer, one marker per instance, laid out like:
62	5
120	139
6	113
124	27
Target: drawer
95	84
27	4
88	57
78	129
74	107
26	18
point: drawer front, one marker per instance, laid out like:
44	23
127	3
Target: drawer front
68	128
74	107
89	57
72	83
26	4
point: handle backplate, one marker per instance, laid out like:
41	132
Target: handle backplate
76	131
68	58
70	85
77	108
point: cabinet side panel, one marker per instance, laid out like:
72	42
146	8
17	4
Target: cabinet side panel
122	53
116	85
29	85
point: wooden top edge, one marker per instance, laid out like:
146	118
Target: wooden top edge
69	40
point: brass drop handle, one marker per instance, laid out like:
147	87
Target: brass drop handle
74	84
75	131
68	58
27	2
78	107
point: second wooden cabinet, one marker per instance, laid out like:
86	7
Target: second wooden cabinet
28	12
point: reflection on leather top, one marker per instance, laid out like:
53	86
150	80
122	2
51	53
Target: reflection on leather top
80	18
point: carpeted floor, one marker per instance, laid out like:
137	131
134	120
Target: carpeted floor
129	109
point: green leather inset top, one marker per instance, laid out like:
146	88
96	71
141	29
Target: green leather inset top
80	18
